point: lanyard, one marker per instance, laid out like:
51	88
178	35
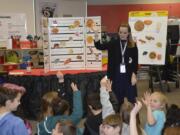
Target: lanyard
123	50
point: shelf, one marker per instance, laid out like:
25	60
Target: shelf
19	49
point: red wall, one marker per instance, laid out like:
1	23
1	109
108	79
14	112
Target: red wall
113	15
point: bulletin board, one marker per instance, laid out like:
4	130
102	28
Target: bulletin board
71	43
149	30
93	56
12	24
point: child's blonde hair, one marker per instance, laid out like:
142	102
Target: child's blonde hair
46	103
162	98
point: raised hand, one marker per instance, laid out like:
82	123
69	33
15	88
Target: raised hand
137	107
147	99
103	82
74	87
109	85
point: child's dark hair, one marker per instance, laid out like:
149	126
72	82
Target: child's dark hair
60	106
93	100
9	91
125	111
66	127
172	117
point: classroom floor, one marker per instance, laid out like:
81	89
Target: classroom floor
143	85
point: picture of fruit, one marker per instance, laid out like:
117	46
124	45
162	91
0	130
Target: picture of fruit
159	56
152	55
147	22
89	39
145	53
71	27
139	25
70	51
159	44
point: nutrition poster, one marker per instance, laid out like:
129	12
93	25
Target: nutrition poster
149	30
66	42
93	56
46	47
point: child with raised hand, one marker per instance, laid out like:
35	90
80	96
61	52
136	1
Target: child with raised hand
64	127
105	88
10	95
46	126
133	126
155	103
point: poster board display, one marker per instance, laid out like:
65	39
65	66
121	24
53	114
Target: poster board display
93	56
66	42
16	23
149	30
46	48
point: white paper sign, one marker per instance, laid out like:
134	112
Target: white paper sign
149	30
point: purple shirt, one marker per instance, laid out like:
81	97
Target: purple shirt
12	125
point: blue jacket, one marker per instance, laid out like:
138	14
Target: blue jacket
12	125
45	127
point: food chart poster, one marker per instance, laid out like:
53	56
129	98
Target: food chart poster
66	40
93	56
149	30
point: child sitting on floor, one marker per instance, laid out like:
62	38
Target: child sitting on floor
155	103
10	95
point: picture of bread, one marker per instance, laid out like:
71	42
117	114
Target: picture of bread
77	23
90	23
139	25
56	45
79	57
67	61
152	55
149	37
147	22
142	41
55	30
89	39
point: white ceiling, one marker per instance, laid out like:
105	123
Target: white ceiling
112	2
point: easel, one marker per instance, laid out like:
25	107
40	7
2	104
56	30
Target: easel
156	70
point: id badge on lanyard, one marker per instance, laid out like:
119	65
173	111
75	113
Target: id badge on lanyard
122	68
122	65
